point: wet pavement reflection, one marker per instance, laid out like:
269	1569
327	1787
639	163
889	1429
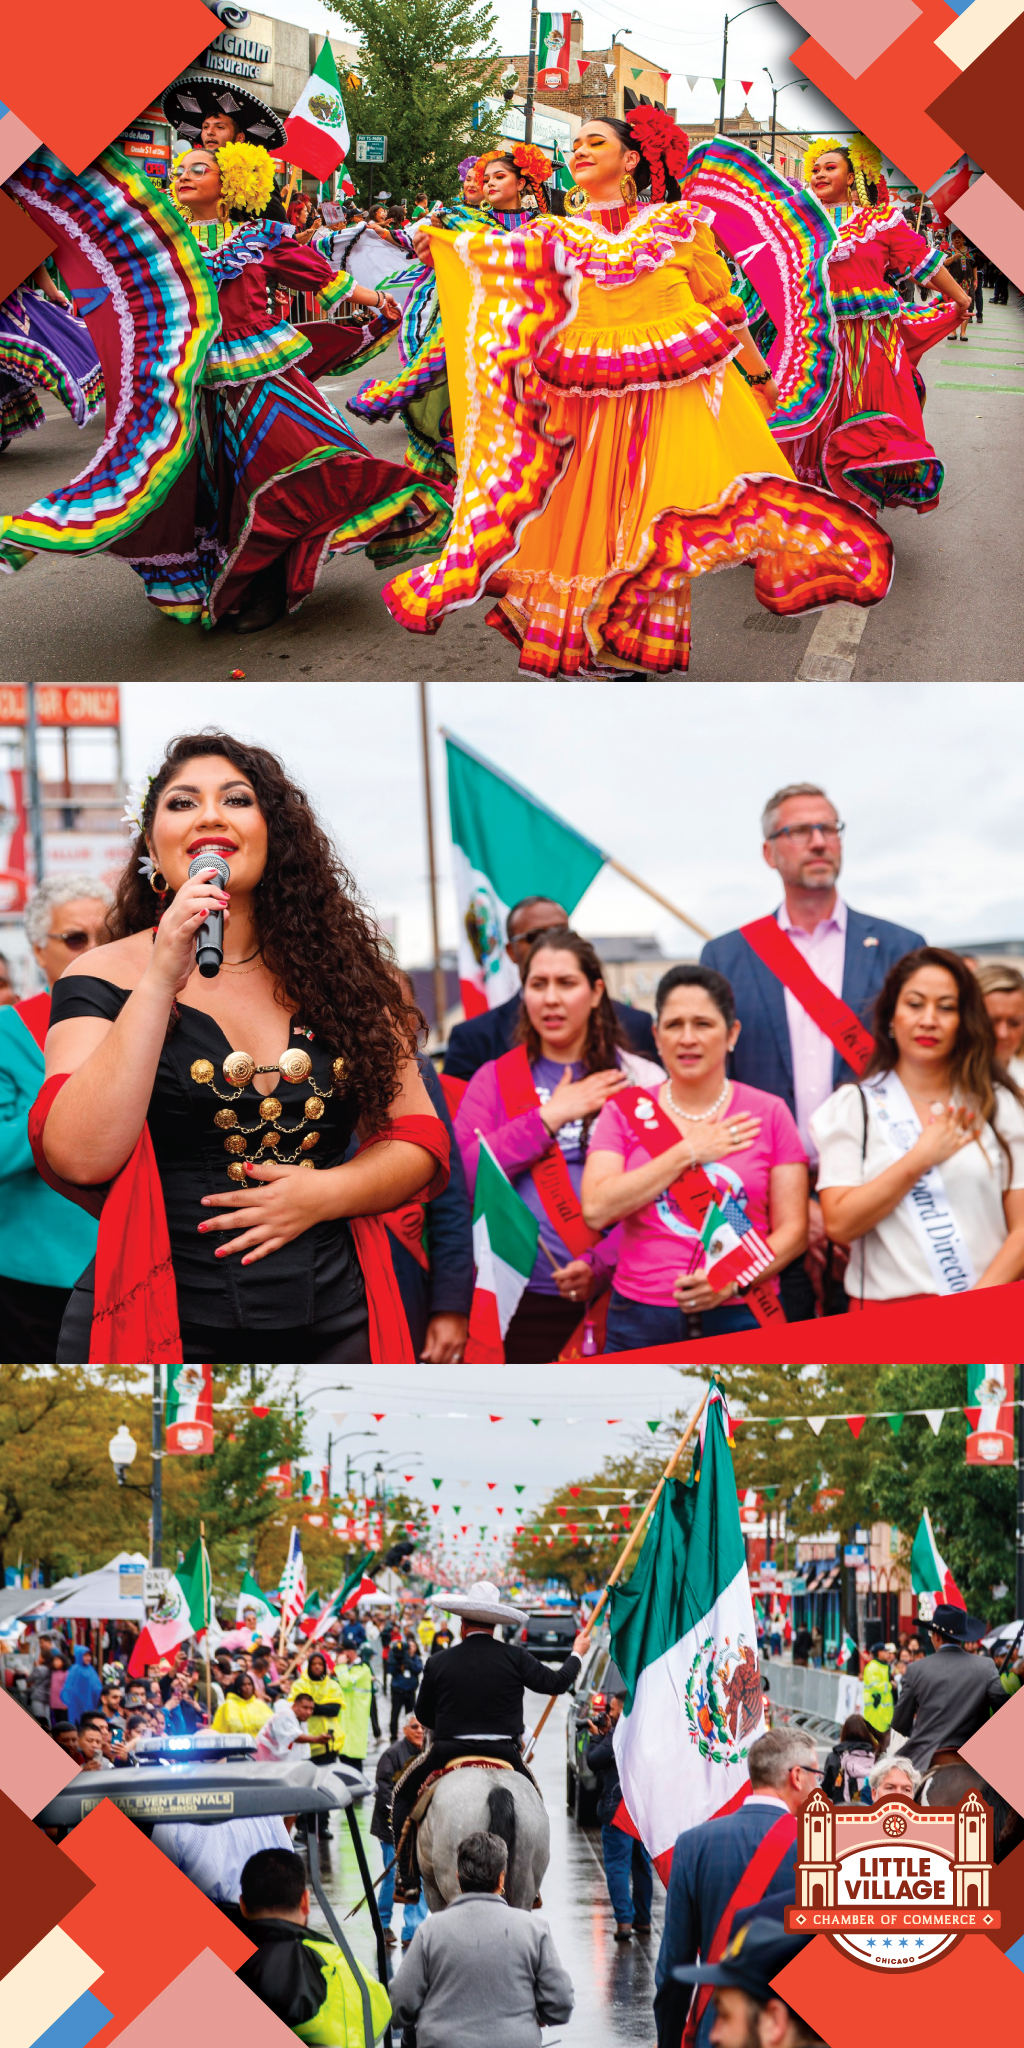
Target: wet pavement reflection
613	1981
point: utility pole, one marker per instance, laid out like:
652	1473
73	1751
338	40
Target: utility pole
531	70
440	1004
725	53
35	813
157	1493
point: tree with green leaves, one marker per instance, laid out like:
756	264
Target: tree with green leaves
424	68
972	1507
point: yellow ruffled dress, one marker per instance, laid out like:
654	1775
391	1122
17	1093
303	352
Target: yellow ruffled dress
610	450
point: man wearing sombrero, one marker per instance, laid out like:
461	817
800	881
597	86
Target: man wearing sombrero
945	1699
471	1699
208	112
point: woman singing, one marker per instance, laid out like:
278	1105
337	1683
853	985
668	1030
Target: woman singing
225	1105
654	1159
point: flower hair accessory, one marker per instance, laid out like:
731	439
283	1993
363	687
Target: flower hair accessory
864	156
136	799
531	161
246	176
664	145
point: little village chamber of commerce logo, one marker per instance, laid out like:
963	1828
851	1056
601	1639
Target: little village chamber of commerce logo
894	1885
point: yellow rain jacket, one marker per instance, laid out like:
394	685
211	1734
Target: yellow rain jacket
878	1695
330	1727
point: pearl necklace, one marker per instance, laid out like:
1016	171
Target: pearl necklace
697	1116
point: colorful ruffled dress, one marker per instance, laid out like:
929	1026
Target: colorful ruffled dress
419	393
870	445
610	449
220	455
44	348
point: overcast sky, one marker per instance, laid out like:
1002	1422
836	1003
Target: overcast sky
687	43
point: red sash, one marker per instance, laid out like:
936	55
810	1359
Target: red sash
694	1193
550	1175
751	1888
34	1012
852	1041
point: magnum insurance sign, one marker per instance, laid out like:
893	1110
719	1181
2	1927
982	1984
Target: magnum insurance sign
894	1885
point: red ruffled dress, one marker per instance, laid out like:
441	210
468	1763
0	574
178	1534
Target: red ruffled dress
870	446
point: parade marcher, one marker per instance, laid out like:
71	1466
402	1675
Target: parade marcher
848	1766
535	1107
759	1838
632	385
44	348
154	1085
304	1978
747	2012
471	1700
243	1712
877	1681
486	1037
45	1241
1002	989
627	1864
964	272
356	1680
390	1765
922	1164
870	445
945	1699
652	1157
792	1042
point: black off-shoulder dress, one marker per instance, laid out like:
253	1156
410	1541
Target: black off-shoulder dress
303	1304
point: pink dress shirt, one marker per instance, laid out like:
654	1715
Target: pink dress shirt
812	1052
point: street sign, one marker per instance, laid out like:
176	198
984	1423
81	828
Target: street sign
156	1580
131	1581
371	149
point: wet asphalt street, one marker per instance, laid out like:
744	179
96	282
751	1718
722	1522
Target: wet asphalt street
614	1981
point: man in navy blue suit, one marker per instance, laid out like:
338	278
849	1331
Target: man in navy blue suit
780	1047
709	1863
486	1037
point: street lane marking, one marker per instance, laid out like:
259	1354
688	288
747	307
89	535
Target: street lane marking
1011	390
831	652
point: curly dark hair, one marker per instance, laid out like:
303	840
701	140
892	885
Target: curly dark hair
604	1032
331	960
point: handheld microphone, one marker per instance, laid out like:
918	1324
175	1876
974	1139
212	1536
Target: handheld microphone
210	936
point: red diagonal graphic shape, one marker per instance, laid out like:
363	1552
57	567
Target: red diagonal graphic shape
33	1768
22	247
230	2012
942	2003
41	1885
997	1751
945	1330
1008	1892
978	104
889	99
97	68
136	1887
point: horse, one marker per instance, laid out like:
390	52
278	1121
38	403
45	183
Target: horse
503	1803
943	1787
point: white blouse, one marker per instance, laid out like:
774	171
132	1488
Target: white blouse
891	1260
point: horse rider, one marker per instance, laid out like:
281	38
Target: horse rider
945	1699
471	1699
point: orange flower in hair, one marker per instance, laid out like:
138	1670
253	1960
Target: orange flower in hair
664	145
531	161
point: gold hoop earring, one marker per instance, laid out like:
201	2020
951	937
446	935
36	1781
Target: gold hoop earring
627	187
576	199
160	887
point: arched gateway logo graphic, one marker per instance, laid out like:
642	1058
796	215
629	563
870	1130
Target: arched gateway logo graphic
894	1885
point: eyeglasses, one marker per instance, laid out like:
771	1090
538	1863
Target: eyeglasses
811	1770
76	942
803	833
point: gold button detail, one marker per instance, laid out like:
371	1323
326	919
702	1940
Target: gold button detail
235	1144
269	1140
295	1065
269	1110
225	1120
202	1071
236	1171
311	1138
238	1069
309	1164
314	1109
338	1068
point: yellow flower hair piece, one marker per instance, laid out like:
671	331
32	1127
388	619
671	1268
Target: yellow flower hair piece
246	177
865	157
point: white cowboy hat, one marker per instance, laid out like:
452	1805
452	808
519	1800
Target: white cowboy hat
482	1603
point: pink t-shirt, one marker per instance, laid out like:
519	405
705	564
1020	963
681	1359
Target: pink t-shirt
657	1243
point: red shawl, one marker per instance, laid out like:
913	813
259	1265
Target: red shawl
135	1317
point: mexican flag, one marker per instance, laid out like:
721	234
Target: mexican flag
189	1411
505	845
846	1650
553	45
929	1573
990	1414
250	1596
346	1596
734	1249
684	1638
184	1611
316	128
293	1582
505	1238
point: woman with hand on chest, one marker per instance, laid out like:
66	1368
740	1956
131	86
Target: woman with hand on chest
208	1116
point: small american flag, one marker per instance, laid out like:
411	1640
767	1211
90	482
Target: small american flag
293	1583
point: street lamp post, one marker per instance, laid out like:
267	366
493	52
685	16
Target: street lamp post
776	90
531	71
123	1451
32	780
725	52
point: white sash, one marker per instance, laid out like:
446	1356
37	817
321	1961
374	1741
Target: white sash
927	1203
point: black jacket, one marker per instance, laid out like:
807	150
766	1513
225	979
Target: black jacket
477	1687
390	1765
403	1668
486	1037
283	1973
601	1760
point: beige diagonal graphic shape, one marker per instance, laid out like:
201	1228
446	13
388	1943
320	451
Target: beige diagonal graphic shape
972	32
42	1987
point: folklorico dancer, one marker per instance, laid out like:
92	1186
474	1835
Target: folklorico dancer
607	364
225	480
44	347
503	180
870	445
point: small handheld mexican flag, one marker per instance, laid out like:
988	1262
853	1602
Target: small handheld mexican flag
684	1637
184	1611
505	1238
929	1572
846	1650
735	1250
316	128
251	1599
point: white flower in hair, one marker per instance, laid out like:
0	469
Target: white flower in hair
135	802
147	867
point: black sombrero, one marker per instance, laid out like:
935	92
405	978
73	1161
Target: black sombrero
191	99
